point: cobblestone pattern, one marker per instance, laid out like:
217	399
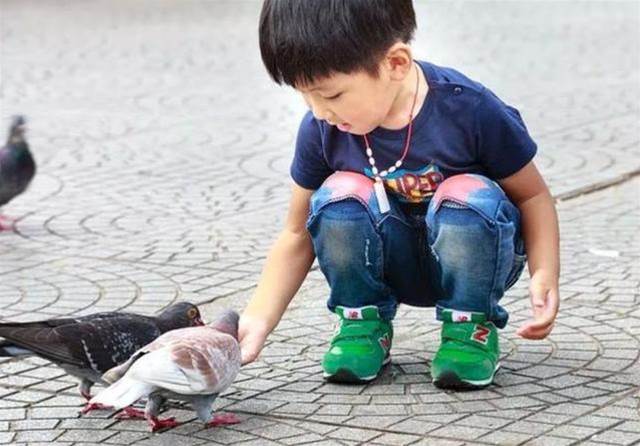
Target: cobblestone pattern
163	151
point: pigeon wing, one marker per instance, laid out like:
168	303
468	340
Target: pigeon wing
43	341
107	342
157	369
197	365
99	344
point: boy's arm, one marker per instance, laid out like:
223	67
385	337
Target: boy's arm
528	191
287	264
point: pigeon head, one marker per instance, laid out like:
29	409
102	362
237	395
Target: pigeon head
16	131
180	315
227	322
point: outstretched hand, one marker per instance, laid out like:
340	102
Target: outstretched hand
545	301
252	334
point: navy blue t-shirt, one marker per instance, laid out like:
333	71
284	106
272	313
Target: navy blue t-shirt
462	127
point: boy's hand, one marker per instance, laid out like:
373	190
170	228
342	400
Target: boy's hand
252	334
545	300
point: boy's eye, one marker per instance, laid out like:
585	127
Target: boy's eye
335	96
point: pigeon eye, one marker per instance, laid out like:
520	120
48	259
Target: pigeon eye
192	313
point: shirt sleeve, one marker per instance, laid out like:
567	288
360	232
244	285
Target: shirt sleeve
309	167
503	142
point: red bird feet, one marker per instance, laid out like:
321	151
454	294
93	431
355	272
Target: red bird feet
6	223
93	406
224	419
130	413
157	424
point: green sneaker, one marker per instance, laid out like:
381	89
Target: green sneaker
360	346
468	355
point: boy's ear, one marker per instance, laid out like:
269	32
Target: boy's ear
398	61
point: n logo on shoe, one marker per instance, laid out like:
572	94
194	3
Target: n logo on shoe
352	313
480	334
385	343
460	316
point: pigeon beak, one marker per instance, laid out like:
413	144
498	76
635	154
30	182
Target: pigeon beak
198	321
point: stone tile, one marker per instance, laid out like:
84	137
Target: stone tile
38	435
617	437
462	432
549	440
396	439
573	431
506	438
134	207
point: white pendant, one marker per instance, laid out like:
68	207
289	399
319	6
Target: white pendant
381	196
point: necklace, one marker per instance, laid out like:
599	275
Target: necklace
378	185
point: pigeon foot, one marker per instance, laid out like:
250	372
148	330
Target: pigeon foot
223	419
158	424
6	223
94	406
86	395
131	413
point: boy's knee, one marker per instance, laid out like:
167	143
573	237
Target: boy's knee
341	186
468	191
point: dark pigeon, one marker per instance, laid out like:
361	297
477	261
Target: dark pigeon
88	346
191	364
17	166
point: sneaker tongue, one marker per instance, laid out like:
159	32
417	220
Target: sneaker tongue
462	316
368	313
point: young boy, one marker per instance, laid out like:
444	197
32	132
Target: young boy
412	184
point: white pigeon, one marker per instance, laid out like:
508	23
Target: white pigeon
190	364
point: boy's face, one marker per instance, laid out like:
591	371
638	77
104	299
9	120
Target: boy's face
356	103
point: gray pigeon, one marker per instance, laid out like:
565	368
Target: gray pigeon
88	346
17	167
191	364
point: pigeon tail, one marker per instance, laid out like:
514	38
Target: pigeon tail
123	393
115	373
8	349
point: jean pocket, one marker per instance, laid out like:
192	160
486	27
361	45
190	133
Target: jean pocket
519	260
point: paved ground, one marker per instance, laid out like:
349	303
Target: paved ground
164	150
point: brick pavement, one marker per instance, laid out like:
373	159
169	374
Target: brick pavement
163	151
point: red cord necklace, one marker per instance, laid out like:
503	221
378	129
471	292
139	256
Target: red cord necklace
381	195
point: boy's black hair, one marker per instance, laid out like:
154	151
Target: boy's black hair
304	40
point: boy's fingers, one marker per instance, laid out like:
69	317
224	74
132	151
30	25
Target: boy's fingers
250	348
535	336
529	331
538	328
545	307
539	323
247	355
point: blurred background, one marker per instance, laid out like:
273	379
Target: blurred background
163	147
163	151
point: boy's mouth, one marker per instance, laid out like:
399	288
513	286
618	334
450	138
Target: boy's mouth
344	127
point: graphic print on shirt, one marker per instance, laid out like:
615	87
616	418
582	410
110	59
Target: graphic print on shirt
412	186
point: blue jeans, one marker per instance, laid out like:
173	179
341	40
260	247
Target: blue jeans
462	255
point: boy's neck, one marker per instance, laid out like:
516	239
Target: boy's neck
398	116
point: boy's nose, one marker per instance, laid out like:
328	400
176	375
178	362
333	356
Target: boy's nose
325	115
319	112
